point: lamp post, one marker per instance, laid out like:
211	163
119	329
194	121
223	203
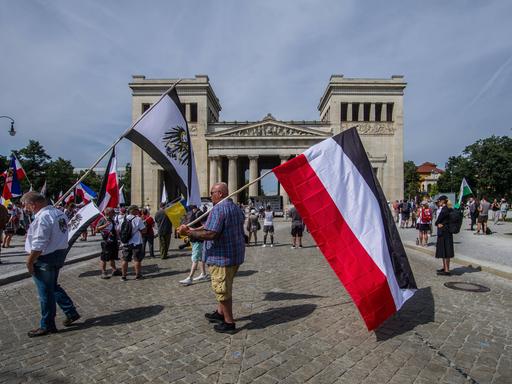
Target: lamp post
12	131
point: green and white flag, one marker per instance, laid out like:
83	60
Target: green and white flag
464	191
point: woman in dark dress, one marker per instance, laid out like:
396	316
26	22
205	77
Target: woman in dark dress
444	246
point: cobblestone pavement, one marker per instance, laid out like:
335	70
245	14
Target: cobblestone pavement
296	325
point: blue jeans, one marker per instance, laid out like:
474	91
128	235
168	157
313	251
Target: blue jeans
50	294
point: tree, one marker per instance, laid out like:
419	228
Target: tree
59	176
486	166
411	180
34	160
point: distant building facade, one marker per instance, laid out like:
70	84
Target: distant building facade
236	152
429	174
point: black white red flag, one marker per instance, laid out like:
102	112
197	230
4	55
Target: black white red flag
162	132
335	190
109	190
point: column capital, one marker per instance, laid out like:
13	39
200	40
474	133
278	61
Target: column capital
232	157
213	157
284	157
253	157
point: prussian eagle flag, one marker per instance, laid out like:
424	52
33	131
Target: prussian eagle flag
334	188
109	190
80	221
85	193
162	132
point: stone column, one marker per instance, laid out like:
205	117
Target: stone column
187	112
384	112
282	192
253	174
232	176
361	112
349	112
214	176
372	112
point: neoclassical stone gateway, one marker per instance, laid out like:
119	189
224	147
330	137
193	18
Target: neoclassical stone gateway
236	152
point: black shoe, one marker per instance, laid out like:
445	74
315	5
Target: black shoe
139	277
41	332
214	317
70	320
440	270
123	278
225	328
443	273
117	272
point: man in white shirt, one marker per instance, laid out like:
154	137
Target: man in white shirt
132	247
46	244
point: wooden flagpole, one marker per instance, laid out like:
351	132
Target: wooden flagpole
232	194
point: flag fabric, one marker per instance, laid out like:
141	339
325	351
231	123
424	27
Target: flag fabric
176	211
122	200
164	195
162	132
70	198
109	190
85	193
20	172
80	221
44	189
464	191
334	188
13	176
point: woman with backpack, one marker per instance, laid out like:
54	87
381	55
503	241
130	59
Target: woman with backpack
424	223
444	245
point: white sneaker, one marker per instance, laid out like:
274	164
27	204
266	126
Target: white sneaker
201	277
271	245
264	245
293	246
187	281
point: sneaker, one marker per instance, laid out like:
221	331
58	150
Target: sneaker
117	272
70	319
201	277
41	332
300	246
293	247
105	275
214	317
264	245
186	281
139	277
225	328
443	273
271	245
123	278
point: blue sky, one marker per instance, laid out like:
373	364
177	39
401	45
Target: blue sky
65	65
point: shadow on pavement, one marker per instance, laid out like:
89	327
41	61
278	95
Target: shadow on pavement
462	270
165	274
247	272
419	309
33	377
277	296
146	269
277	316
124	316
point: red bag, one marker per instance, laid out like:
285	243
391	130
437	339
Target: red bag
426	215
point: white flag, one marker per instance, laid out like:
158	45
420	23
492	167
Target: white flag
164	196
122	201
79	223
43	190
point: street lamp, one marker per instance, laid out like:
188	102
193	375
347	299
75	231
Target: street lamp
12	131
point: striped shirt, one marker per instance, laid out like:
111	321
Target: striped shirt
229	248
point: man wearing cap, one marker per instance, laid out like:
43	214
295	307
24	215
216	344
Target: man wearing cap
444	245
224	253
46	244
132	249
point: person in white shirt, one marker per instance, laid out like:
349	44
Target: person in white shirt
268	226
132	248
46	244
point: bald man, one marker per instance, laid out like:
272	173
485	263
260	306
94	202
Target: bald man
224	253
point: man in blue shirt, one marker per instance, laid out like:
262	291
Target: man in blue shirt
224	252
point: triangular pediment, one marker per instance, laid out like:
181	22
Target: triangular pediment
269	128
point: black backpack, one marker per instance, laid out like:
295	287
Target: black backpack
125	234
454	221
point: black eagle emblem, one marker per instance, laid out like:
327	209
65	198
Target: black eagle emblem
177	145
63	225
74	223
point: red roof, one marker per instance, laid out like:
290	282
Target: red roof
427	167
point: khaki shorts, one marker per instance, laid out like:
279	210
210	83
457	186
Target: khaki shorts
222	281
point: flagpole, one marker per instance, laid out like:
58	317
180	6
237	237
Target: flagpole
115	143
232	194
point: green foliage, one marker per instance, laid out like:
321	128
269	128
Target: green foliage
485	165
411	180
59	176
34	161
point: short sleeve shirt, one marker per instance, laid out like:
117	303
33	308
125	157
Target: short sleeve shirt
229	248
